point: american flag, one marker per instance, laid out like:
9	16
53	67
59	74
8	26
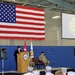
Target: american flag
21	22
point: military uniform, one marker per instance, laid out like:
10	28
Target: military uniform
44	60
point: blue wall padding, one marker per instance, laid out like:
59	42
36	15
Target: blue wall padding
59	56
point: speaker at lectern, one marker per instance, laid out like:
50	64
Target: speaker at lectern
22	62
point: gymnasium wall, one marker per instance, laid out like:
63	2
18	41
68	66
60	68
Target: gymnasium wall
59	56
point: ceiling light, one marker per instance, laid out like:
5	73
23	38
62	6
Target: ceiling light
55	17
12	0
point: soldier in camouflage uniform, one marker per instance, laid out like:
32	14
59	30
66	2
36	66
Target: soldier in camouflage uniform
43	58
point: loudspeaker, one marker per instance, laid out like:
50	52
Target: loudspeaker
3	53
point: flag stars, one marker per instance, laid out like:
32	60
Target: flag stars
8	13
14	21
13	6
1	8
4	10
6	20
4	14
10	20
7	8
9	5
1	4
2	20
5	5
11	15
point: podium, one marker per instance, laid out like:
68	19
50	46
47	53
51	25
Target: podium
22	62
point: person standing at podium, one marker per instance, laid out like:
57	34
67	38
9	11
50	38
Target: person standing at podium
16	53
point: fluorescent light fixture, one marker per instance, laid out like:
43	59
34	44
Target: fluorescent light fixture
55	17
12	0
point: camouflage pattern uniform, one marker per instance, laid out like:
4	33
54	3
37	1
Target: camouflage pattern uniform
44	60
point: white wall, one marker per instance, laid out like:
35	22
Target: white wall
52	34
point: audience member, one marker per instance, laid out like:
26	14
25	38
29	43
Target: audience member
71	73
59	72
30	71
48	70
36	72
64	71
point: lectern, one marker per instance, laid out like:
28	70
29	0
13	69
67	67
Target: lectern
22	62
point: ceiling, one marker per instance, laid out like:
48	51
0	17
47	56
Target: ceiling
51	5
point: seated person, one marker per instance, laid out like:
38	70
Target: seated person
64	71
70	73
48	70
43	58
32	64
